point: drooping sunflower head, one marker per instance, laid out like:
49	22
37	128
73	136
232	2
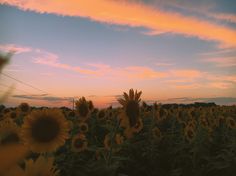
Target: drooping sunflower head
90	105
131	106
82	107
79	143
9	132
45	130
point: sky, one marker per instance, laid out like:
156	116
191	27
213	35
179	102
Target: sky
173	51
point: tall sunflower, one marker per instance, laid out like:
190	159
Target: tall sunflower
130	105
45	130
82	107
24	108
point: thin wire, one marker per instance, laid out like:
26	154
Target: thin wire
29	85
4	85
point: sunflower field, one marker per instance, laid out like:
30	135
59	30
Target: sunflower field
132	140
135	139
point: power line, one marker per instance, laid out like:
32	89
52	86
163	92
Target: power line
4	85
29	85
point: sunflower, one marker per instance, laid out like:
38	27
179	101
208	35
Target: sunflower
79	143
10	155
156	133
71	114
189	133
9	132
109	113
24	108
90	105
124	120
83	127
204	122
101	115
138	126
118	140
128	133
130	105
82	108
41	166
13	114
45	130
107	142
230	122
14	171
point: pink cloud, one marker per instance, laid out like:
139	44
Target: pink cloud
219	85
15	48
135	15
188	86
164	64
98	69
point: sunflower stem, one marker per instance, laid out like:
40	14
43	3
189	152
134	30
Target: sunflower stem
112	142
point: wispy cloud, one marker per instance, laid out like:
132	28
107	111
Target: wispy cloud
164	64
135	15
222	61
43	97
217	100
15	48
224	16
187	73
99	70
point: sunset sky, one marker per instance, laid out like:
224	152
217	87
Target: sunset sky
174	51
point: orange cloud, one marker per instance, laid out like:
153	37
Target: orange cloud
134	15
187	73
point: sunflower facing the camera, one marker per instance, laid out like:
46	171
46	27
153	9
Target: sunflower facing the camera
9	132
45	130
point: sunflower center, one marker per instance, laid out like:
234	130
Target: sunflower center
10	139
78	143
45	129
132	111
83	109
